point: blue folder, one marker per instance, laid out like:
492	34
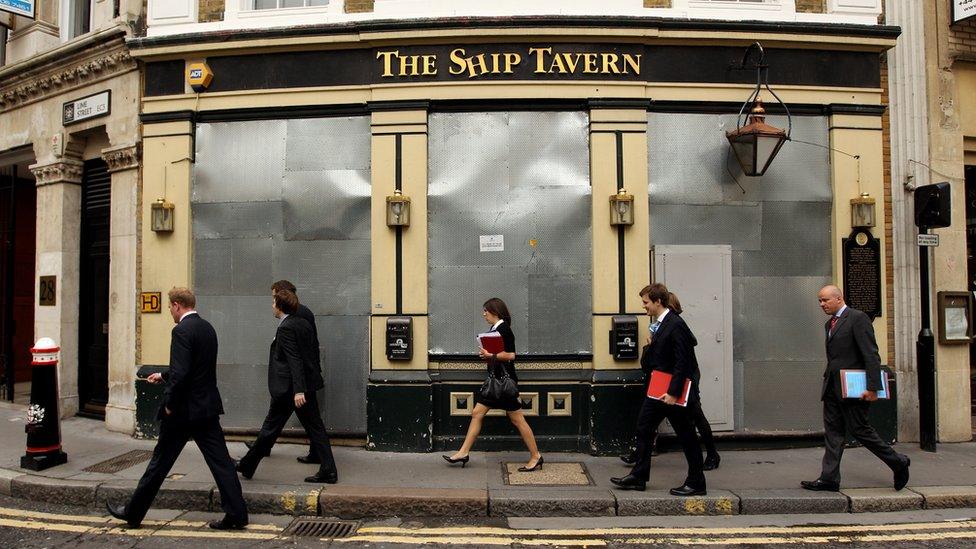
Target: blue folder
853	383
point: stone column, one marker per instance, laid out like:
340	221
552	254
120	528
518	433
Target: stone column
58	254
123	164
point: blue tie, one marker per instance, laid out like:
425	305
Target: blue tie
655	326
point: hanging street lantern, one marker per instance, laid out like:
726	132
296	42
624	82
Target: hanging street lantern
755	143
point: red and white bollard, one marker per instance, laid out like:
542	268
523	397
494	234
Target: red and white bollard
43	415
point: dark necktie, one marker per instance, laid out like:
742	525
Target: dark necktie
833	322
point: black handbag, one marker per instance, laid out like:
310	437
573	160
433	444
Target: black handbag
499	387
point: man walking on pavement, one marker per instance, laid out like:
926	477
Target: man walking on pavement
850	345
293	379
670	352
191	408
307	314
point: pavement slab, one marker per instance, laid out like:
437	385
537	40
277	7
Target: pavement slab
346	501
189	496
790	501
6	476
538	502
882	500
54	490
660	502
947	497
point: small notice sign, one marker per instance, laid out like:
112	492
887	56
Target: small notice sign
928	240
25	8
492	243
92	106
963	9
151	302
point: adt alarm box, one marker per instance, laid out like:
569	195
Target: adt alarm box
623	337
399	338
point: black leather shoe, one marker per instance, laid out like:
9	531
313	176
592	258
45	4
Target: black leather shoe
326	478
820	485
685	490
711	462
309	459
538	465
463	460
629	482
227	524
901	475
118	511
244	472
250	444
629	459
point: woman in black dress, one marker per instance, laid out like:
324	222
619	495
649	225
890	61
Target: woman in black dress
495	313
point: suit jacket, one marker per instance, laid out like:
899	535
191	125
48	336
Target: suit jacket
191	382
851	346
307	314
672	350
293	361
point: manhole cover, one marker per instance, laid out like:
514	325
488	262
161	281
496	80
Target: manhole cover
116	464
321	528
552	474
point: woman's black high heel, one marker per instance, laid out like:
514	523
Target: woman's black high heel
538	465
463	461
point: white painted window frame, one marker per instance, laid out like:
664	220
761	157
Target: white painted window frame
66	18
239	15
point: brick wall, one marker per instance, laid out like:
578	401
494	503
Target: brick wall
211	10
811	6
657	3
962	39
358	6
889	282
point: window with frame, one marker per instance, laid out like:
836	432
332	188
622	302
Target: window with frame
282	4
3	46
77	19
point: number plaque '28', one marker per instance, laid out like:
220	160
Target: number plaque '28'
47	291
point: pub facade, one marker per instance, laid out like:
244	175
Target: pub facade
402	162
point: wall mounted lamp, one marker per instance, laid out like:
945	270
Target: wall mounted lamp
754	142
621	208
162	216
862	211
397	210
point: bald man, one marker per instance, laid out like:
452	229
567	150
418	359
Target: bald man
850	345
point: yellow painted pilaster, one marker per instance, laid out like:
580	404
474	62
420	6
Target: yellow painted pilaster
409	128
166	257
861	136
613	132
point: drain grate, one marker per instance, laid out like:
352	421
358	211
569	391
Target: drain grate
116	464
321	528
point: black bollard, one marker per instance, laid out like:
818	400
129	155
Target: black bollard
44	415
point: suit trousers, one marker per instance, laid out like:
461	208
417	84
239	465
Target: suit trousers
173	436
652	413
278	415
854	415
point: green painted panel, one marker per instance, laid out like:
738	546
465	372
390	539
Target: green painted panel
399	418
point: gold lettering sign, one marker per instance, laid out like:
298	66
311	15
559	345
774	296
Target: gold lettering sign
542	60
151	302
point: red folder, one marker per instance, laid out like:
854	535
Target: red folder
492	342
658	387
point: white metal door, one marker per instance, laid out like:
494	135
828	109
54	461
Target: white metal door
701	278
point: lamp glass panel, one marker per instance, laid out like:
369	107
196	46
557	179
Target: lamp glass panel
744	148
862	215
766	149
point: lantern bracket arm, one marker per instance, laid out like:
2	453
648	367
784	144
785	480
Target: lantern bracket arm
762	81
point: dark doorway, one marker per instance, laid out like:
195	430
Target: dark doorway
971	275
93	289
18	207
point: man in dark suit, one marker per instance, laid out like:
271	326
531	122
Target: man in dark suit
293	379
850	345
309	316
671	351
191	408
